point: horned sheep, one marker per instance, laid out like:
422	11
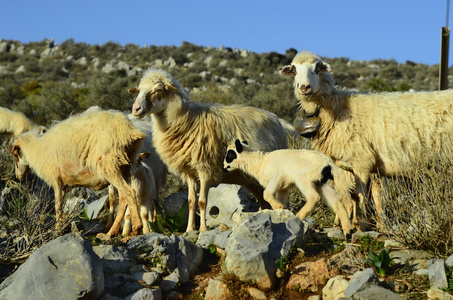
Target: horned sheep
382	133
93	149
192	138
15	123
280	170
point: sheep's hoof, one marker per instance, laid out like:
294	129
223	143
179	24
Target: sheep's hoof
103	236
126	239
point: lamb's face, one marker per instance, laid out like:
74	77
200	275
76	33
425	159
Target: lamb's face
149	99
21	166
232	156
307	79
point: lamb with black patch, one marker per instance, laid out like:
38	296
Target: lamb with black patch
313	173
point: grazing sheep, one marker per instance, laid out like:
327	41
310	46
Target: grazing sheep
382	133
93	149
192	138
15	123
280	170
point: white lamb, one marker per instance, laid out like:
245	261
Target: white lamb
93	149
15	123
381	133
280	170
192	138
159	168
143	183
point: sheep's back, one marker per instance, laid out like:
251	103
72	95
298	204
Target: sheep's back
197	139
89	137
14	122
389	130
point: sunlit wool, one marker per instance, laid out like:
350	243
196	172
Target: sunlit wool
192	138
313	173
382	133
15	123
92	149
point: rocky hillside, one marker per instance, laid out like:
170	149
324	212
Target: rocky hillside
246	254
48	81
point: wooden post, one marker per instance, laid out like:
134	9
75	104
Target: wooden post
443	68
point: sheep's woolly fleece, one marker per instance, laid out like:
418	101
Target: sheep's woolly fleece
192	138
92	149
383	133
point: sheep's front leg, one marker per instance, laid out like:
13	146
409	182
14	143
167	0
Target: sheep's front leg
282	197
59	195
269	197
205	185
362	179
127	198
144	215
133	208
192	199
270	191
112	204
127	223
119	217
311	197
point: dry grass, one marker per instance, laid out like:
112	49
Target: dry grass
418	209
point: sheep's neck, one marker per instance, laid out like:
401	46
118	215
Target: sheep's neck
171	115
32	151
250	163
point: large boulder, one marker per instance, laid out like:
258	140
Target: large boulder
226	201
64	268
258	241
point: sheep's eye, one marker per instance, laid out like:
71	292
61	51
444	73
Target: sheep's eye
231	155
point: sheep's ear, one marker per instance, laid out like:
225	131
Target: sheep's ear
170	88
288	70
14	150
238	146
134	91
144	155
325	67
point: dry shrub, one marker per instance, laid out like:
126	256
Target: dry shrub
6	160
419	208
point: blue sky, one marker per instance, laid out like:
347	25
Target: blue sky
356	29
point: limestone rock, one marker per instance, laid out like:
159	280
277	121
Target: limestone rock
49	273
